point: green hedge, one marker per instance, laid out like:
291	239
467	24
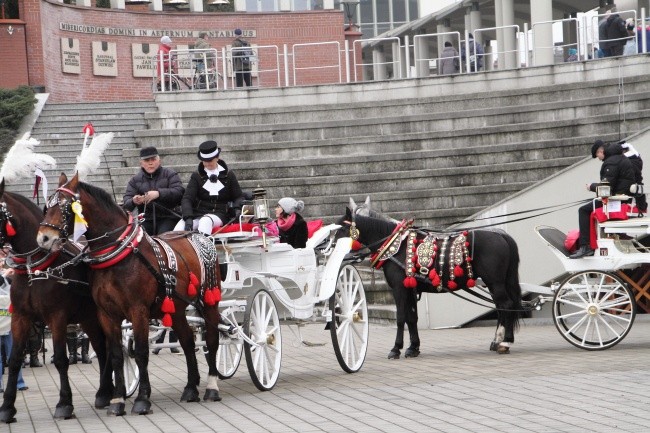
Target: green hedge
15	104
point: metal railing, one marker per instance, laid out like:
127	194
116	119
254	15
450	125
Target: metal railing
419	42
381	64
306	48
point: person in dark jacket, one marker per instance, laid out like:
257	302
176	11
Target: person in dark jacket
616	34
209	191
291	226
618	171
449	62
637	164
156	191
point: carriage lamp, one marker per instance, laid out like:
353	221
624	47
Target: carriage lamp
261	211
603	189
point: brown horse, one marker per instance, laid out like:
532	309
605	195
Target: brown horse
57	301
130	279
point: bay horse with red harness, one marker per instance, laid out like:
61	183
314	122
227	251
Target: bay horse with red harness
415	261
57	300
136	277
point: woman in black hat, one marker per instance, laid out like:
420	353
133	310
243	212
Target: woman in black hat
211	187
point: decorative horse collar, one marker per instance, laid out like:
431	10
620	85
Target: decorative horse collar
127	242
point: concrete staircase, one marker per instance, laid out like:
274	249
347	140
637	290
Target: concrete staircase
59	130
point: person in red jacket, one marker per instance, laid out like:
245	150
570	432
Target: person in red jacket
165	62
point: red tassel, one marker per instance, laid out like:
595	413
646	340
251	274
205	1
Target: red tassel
208	298
356	245
410	283
216	294
194	280
191	290
468	259
167	320
10	229
458	271
471	282
11	308
434	277
452	285
168	306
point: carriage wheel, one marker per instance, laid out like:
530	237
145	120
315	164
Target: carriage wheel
594	310
262	325
228	357
130	368
349	326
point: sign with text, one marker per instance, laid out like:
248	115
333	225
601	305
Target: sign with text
143	59
105	58
70	56
152	33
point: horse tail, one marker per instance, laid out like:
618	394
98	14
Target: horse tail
513	288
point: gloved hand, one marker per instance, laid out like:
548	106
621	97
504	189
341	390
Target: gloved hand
189	224
237	212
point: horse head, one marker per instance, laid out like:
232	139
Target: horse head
59	214
18	217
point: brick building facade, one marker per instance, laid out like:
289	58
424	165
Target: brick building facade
49	26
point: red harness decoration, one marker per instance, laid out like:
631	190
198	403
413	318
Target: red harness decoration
390	247
124	253
20	263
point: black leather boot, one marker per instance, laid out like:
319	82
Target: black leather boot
72	350
584	251
85	345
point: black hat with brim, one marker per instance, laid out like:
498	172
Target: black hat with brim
597	145
208	150
148	152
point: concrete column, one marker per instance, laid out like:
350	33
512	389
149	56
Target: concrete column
85	3
475	22
240	6
569	34
156	5
399	66
498	21
509	35
328	4
421	48
118	4
443	27
379	64
542	10
196	5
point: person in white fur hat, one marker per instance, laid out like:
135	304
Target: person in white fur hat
291	226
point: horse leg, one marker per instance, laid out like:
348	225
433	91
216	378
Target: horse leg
140	324
411	313
212	343
20	326
64	408
504	335
98	341
186	339
113	332
399	341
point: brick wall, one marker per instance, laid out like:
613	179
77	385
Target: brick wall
13	52
44	49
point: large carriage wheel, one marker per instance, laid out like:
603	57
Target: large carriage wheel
228	357
130	368
594	310
262	325
349	326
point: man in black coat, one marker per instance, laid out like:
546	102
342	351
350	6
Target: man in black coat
156	191
618	171
616	34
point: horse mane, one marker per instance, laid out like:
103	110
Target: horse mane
27	204
104	199
376	225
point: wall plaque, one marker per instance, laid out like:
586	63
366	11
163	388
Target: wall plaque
105	58
70	56
143	58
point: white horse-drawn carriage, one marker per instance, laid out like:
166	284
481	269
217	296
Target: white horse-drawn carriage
594	307
266	283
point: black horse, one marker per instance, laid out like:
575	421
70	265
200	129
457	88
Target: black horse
420	261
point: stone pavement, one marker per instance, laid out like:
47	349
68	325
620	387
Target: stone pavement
456	385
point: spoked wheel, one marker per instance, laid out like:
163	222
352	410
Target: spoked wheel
228	357
130	369
594	310
262	325
349	326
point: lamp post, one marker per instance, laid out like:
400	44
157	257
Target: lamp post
350	6
261	211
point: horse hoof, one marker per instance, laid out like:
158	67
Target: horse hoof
141	407
116	409
411	353
503	350
102	401
211	395
393	354
190	395
7	415
494	346
64	412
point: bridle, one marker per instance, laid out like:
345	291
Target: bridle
5	219
65	206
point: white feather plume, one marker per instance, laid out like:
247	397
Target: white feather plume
90	158
21	161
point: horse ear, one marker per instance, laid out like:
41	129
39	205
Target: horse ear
352	204
2	187
367	202
348	213
74	182
62	179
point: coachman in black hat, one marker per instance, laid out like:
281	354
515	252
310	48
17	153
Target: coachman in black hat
211	188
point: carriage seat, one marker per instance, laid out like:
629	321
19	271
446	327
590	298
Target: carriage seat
312	227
